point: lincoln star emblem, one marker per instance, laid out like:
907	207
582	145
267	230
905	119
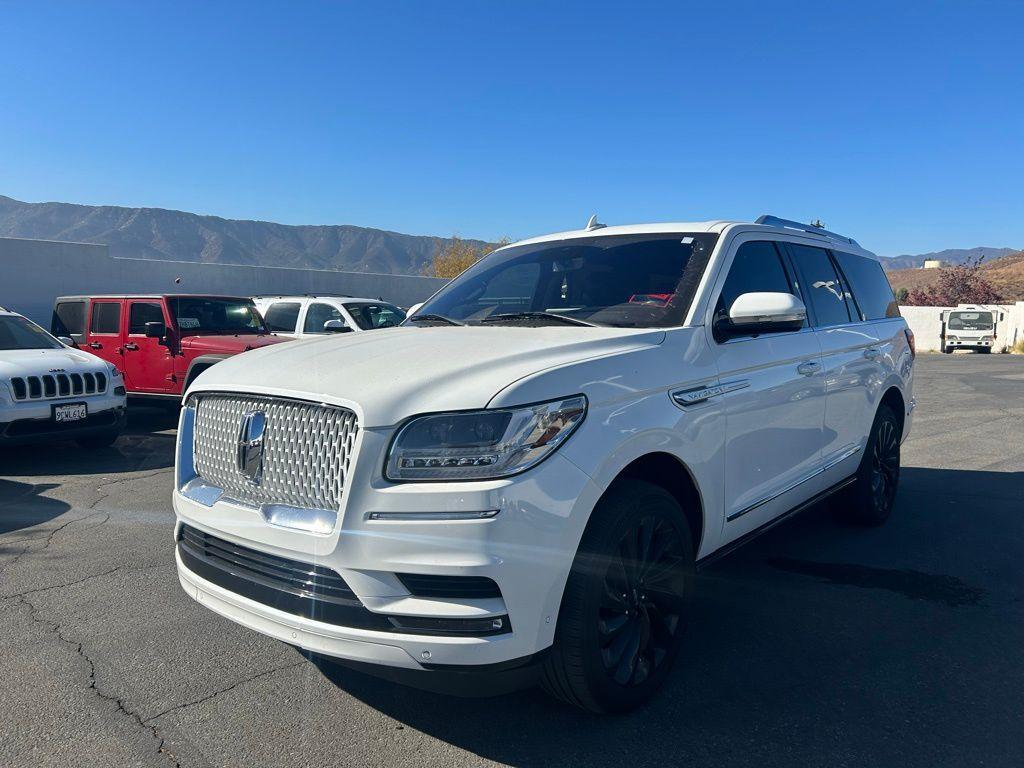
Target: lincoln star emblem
250	445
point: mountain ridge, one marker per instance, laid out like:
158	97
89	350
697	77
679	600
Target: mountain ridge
166	234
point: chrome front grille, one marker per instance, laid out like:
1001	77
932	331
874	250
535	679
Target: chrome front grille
306	450
50	386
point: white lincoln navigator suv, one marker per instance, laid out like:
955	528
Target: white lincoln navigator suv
523	478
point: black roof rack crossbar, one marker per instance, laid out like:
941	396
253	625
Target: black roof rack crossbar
775	221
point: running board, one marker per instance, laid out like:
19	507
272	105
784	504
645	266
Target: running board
732	546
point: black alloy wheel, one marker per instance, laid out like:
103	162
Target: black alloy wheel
874	491
625	606
642	601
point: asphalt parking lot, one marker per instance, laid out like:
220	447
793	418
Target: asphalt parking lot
817	645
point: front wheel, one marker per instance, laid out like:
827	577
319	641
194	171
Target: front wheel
626	602
874	491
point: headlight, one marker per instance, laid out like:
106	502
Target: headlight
482	445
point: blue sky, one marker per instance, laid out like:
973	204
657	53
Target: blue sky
899	123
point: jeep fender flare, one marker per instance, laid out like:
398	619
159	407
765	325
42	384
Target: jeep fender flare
199	364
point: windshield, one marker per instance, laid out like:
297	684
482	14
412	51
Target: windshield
370	316
627	281
20	333
969	321
202	314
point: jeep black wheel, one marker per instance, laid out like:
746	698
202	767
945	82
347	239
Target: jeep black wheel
625	605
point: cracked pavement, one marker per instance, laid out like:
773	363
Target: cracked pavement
818	644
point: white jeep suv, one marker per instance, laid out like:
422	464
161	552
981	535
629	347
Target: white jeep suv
51	391
524	477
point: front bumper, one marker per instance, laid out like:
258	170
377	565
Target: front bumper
25	423
527	549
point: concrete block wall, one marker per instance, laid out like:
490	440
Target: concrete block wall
34	272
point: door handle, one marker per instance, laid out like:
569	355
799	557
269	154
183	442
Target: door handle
871	353
808	368
131	346
95	345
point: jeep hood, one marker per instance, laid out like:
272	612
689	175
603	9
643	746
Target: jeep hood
388	375
32	362
227	343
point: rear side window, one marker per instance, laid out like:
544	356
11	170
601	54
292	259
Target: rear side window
317	314
870	286
68	318
143	312
822	284
757	268
283	316
106	317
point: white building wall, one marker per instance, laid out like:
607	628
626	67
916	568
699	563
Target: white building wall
926	323
34	272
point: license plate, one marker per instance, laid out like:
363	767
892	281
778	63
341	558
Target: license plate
62	414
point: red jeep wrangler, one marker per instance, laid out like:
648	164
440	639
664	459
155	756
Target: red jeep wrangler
161	343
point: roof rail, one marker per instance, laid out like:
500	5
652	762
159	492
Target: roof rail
775	221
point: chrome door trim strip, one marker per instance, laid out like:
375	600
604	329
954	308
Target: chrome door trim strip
819	471
703	394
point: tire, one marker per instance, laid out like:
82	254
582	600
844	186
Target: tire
618	635
947	350
96	442
985	350
874	491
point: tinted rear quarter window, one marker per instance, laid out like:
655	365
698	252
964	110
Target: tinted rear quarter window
870	286
106	317
68	318
283	316
820	282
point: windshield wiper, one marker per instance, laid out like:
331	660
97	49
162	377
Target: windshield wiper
513	316
434	319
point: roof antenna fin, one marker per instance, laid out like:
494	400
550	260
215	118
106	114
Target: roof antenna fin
593	224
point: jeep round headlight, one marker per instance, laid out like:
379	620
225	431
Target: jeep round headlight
482	445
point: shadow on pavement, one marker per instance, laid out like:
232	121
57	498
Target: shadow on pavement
819	643
146	443
22	506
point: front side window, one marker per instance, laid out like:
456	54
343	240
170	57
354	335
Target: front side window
106	317
625	281
142	312
20	333
196	315
756	268
317	314
970	321
370	316
821	282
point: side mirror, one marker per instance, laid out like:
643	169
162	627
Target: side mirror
336	326
755	313
156	330
67	341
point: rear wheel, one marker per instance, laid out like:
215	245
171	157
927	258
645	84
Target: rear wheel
626	602
985	350
947	350
878	476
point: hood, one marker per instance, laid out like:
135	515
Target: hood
32	362
231	343
391	374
